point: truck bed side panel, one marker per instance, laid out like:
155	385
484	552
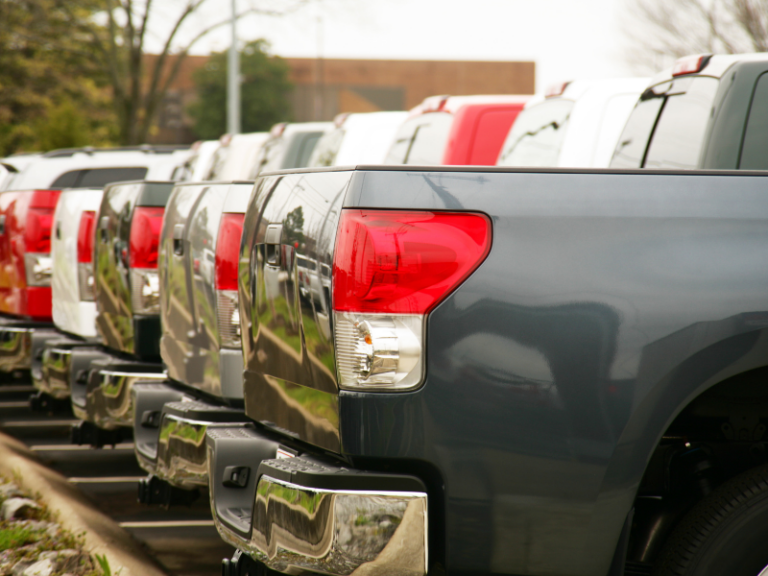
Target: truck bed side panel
176	309
607	303
286	299
190	344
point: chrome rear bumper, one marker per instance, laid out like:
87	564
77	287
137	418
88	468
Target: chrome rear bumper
107	401
63	361
18	340
169	437
300	513
15	348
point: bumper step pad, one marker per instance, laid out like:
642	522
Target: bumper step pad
303	513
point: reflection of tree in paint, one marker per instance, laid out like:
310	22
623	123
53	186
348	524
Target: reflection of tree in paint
293	227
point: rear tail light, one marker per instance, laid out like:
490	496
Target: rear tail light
390	270
143	247
227	254
85	255
37	246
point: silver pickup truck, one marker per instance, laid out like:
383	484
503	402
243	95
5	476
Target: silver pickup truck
126	290
200	339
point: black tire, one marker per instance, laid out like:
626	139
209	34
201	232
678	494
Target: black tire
726	534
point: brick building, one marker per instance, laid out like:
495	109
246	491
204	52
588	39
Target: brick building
326	87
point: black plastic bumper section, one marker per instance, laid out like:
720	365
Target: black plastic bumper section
236	454
149	399
309	472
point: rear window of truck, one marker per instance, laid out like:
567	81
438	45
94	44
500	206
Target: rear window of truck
421	140
537	135
666	129
754	150
97	177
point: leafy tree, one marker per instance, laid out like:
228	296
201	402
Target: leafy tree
118	46
663	29
50	93
264	92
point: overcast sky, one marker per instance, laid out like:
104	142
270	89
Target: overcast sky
567	39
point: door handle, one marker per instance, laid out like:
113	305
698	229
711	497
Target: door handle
103	226
178	239
272	239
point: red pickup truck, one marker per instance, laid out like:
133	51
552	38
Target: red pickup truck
456	130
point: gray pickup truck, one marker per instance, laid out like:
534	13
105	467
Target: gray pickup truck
502	371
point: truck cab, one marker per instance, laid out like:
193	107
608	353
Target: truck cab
573	124
357	139
706	112
455	130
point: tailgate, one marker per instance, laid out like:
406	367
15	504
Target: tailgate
191	343
285	262
116	322
13	206
71	313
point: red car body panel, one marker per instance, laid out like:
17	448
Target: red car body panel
28	216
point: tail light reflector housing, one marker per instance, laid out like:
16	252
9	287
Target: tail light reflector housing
227	302
38	264
85	234
143	245
391	268
690	64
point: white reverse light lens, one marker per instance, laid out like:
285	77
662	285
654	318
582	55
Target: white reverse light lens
379	351
85	281
228	313
39	269
145	291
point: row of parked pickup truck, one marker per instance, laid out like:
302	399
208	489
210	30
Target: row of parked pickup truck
407	367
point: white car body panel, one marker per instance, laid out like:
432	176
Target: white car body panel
70	314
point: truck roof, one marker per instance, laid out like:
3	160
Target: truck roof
44	171
717	65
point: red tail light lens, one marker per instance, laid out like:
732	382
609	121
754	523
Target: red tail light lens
85	237
145	236
405	262
38	230
228	251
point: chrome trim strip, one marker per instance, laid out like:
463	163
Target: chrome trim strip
337	531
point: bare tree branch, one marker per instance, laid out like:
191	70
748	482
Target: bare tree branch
672	28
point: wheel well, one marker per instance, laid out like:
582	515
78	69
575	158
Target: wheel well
718	435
